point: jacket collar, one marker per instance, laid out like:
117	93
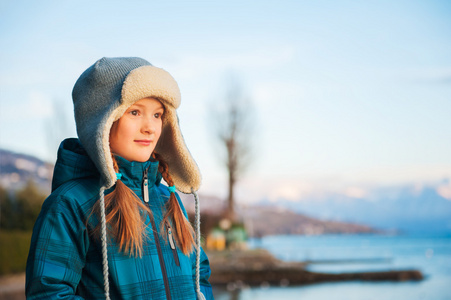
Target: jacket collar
73	163
133	172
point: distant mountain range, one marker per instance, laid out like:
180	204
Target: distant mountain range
263	220
16	169
397	209
406	209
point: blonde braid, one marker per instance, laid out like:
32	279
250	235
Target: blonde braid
184	232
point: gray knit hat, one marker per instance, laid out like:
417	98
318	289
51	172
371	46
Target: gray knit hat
106	90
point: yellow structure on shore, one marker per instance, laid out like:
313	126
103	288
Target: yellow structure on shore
232	237
216	240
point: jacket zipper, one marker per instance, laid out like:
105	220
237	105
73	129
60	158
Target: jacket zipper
145	186
157	240
172	244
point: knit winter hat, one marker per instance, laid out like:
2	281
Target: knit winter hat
106	90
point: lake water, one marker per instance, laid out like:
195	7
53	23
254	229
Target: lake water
350	253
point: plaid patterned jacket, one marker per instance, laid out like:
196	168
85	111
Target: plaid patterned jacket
65	261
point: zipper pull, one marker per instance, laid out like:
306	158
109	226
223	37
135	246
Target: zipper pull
171	239
145	187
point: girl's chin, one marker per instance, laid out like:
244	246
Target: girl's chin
138	158
142	159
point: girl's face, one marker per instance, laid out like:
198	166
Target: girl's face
135	135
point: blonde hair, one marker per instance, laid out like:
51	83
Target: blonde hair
184	232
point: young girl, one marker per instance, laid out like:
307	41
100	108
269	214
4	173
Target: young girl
110	229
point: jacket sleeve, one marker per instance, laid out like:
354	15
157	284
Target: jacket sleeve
57	252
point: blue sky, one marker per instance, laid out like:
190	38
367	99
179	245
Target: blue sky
348	95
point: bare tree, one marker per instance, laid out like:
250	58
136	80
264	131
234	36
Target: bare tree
56	127
233	127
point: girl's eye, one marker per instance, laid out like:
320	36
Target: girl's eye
134	112
157	115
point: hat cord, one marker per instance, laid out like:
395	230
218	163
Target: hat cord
106	282
200	296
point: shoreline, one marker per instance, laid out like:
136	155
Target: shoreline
258	267
254	268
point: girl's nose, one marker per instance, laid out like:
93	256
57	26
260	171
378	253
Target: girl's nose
148	127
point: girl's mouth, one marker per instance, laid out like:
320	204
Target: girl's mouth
143	142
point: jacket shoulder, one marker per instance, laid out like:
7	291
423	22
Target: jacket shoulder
79	194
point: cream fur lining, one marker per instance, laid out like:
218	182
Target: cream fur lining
150	81
106	143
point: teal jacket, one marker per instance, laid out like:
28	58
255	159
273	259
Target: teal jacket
65	260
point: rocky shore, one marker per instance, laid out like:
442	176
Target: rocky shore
237	269
260	268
